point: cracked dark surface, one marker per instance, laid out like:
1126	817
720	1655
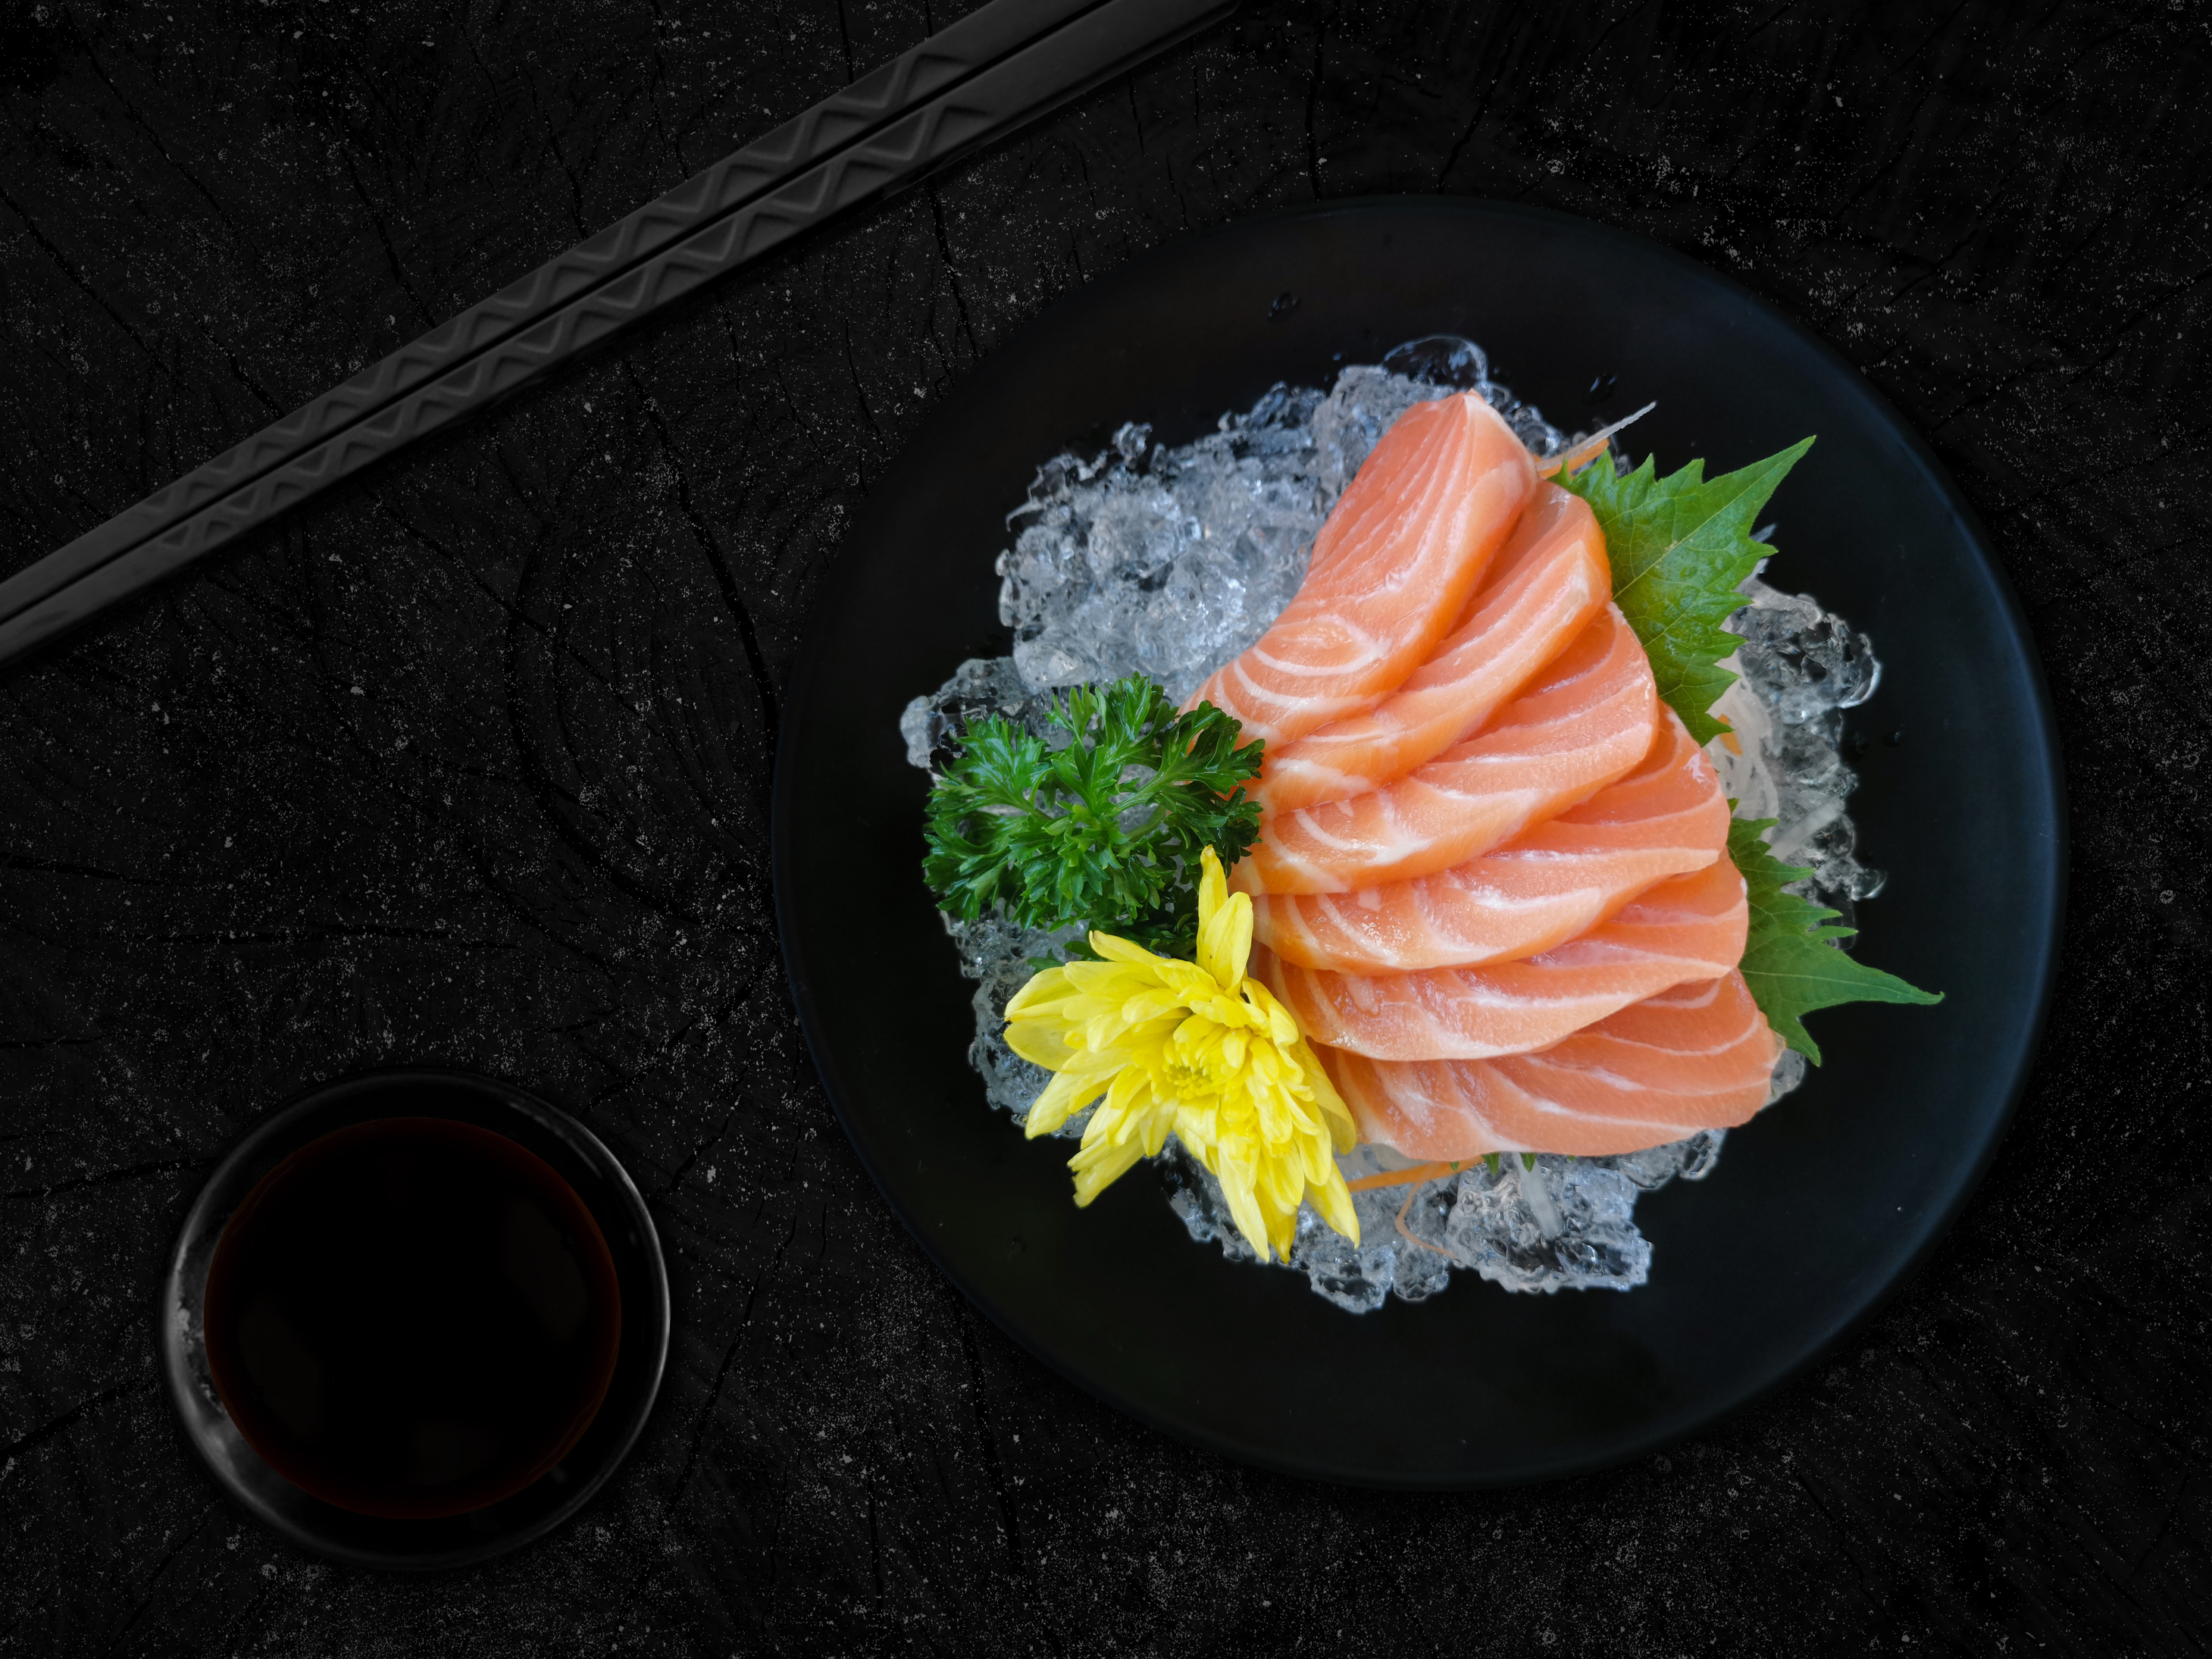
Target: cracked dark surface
470	763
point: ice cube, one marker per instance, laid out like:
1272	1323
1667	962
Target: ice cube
1578	1234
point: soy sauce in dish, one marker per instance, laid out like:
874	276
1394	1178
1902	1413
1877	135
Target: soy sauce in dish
412	1318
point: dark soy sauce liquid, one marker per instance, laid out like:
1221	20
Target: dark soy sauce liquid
412	1318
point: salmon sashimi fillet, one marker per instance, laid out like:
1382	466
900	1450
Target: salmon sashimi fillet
1544	585
1589	720
1391	571
1696	1057
1687	928
1667	818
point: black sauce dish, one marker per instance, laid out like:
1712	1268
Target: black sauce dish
622	1256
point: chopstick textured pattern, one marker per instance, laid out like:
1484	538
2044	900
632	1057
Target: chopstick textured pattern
976	81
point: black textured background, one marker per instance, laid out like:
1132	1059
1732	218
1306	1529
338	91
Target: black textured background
470	763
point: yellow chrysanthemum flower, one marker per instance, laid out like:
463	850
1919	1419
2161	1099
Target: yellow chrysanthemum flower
1195	1050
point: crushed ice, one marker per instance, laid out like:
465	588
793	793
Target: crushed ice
1164	562
1169	561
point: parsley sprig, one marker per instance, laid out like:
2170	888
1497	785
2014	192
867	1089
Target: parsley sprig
1105	831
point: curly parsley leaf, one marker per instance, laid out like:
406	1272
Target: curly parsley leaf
1105	831
1790	961
1679	547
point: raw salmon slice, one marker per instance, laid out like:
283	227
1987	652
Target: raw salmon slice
1591	718
1547	884
1696	1057
1687	928
1391	571
1544	585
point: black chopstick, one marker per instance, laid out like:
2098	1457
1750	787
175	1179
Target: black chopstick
836	123
970	83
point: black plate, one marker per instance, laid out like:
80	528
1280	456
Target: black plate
366	1540
1817	1209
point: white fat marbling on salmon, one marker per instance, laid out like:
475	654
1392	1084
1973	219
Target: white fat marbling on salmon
1694	1058
1545	587
1688	928
1391	570
1552	881
1591	718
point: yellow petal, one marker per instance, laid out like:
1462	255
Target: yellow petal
1123	950
1332	1201
1250	1221
1224	927
1233	1047
1095	1174
1042	1043
1108	979
1210	1003
1042	991
1099	984
1063	1097
1105	1147
1267	1012
1212	886
1152	1005
1129	1085
1187	981
1334	1112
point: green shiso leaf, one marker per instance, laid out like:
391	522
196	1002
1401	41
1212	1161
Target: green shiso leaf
1790	961
1679	547
1105	831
